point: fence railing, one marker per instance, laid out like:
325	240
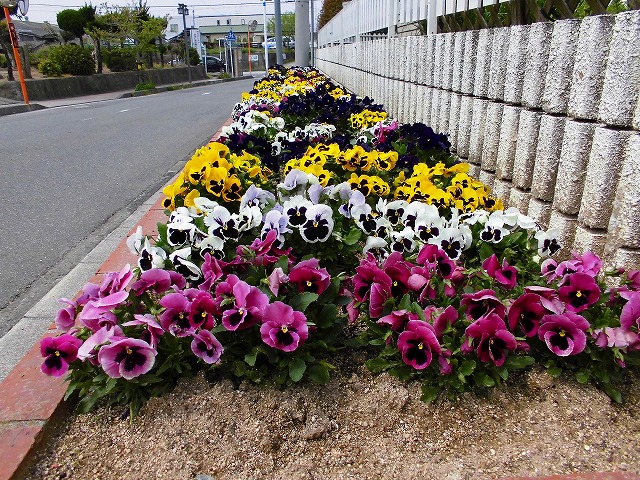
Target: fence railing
369	18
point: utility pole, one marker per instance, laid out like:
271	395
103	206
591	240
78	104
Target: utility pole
278	20
266	47
184	11
302	33
313	35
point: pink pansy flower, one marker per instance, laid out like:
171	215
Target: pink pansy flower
155	280
247	309
152	329
91	346
617	338
397	319
526	312
418	343
283	327
66	316
630	316
127	358
491	340
504	275
277	278
58	353
581	292
207	347
444	320
175	318
480	303
564	334
307	276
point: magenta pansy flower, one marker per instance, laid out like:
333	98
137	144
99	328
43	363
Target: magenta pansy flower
309	277
58	353
504	274
152	329
564	334
202	311
444	320
378	295
630	316
283	327
480	303
581	292
249	304
397	319
418	343
490	338
277	278
207	347
127	358
66	316
91	346
155	279
175	319
114	282
368	273
617	338
526	312
436	259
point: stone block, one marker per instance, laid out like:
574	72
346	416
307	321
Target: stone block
566	226
439	60
483	63
516	61
636	116
435	109
498	69
572	168
403	103
528	130
589	66
562	51
508	142
545	170
590	240
474	170
414	102
443	110
624	224
540	211
454	120
469	64
626	258
464	126
458	61
621	88
488	178
476	138
418	58
428	59
491	136
603	170
447	66
520	199
423	114
502	189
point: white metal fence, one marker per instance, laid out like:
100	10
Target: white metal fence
362	17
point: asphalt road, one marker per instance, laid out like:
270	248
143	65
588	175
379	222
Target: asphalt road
69	176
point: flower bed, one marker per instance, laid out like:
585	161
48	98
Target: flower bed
316	224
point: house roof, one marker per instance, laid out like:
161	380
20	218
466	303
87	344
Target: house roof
38	30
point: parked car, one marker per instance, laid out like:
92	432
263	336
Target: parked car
214	64
271	43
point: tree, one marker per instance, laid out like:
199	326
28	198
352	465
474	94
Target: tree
288	21
75	21
330	9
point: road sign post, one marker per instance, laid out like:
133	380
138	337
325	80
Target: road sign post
13	35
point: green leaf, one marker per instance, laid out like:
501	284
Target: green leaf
377	365
327	316
484	380
250	358
520	361
301	301
502	372
554	371
613	392
283	263
467	367
297	367
485	251
352	237
583	376
429	393
405	303
319	373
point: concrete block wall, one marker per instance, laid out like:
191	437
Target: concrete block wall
548	115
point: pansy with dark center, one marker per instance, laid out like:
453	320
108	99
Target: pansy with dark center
526	312
482	302
58	353
309	277
418	343
564	334
296	209
127	358
491	340
283	327
319	224
581	292
207	347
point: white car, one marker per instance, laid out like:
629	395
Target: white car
271	43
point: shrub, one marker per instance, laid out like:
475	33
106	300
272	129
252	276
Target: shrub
3	61
120	59
145	86
71	59
49	68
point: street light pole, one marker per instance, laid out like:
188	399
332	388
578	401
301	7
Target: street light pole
184	11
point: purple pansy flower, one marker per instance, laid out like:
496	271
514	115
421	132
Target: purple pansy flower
564	334
490	338
91	346
277	278
397	319
152	329
482	302
444	320
366	275
436	259
58	353
283	328
175	319
127	358
309	277
581	292
156	280
418	343
202	311
526	311
505	275
207	347
249	304
66	316
630	315
617	338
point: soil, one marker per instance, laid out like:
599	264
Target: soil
358	426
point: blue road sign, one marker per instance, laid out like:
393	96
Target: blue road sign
231	36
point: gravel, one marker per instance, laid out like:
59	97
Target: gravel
358	426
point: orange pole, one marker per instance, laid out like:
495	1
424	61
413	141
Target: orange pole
249	47
16	55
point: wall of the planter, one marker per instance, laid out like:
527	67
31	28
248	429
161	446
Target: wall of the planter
548	115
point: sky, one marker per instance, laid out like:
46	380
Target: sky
46	10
